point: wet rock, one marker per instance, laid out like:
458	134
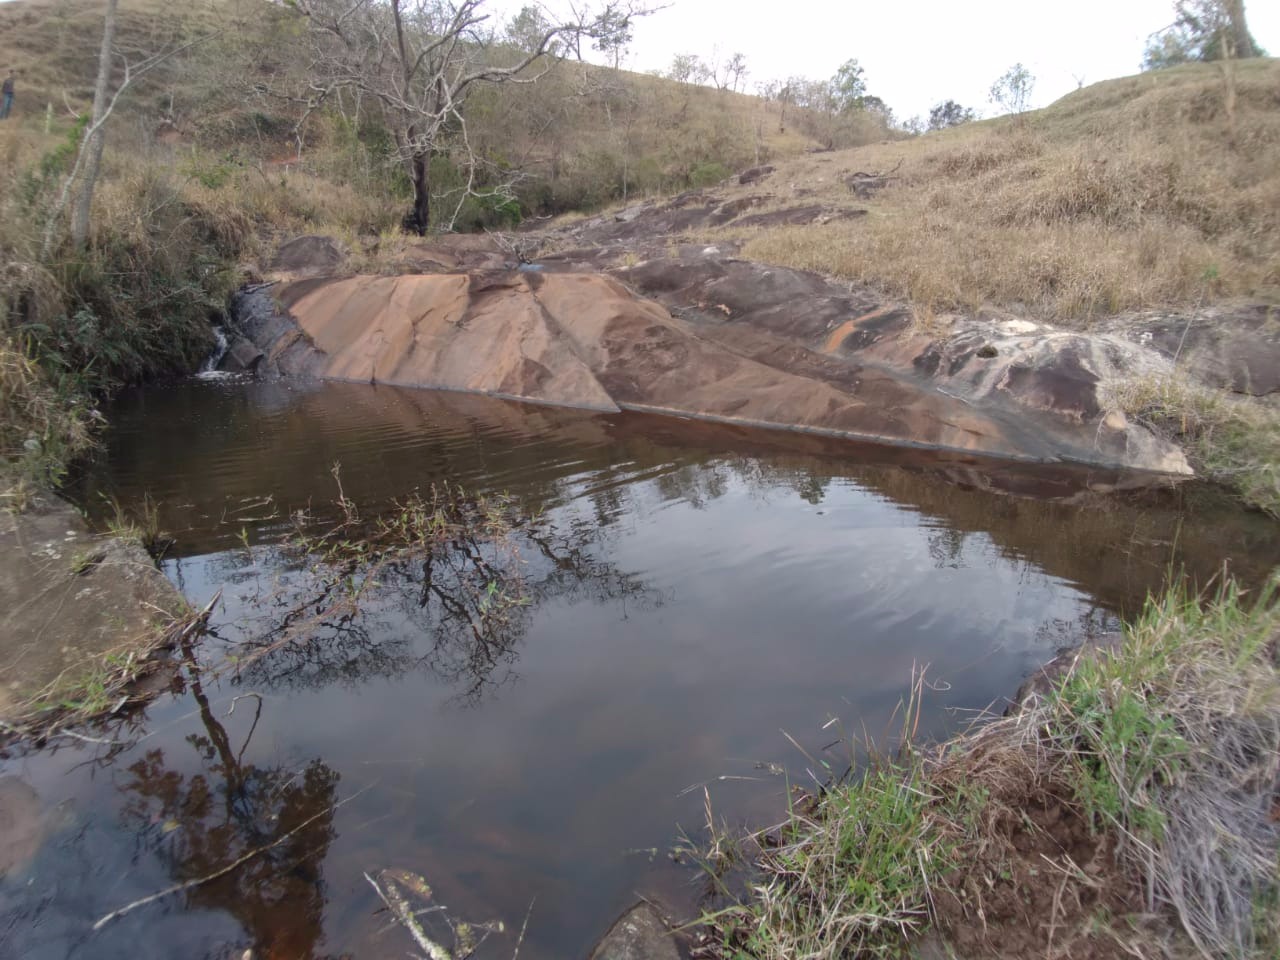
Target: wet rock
21	825
754	174
639	934
67	596
584	340
721	339
242	357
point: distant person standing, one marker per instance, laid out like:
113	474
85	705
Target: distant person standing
7	91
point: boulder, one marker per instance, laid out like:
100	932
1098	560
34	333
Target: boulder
1233	348
308	256
639	934
754	174
762	346
242	357
584	340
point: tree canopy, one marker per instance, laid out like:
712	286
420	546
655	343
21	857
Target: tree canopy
949	114
1202	30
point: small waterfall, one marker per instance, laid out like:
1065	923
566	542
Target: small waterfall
210	364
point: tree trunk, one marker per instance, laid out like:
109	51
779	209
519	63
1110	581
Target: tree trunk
93	156
419	219
1241	39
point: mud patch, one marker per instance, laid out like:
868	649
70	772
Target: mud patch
1060	891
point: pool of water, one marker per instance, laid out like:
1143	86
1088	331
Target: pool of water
692	600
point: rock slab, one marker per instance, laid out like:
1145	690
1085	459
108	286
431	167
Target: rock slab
68	596
582	339
639	934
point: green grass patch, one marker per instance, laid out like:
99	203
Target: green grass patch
1230	438
1164	749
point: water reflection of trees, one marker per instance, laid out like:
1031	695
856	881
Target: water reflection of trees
247	839
457	607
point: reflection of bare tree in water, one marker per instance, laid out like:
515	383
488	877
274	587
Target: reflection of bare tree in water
261	833
452	590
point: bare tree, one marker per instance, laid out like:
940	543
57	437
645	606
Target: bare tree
80	183
781	92
1012	91
736	70
420	59
95	141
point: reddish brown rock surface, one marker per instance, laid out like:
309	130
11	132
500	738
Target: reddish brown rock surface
693	331
583	340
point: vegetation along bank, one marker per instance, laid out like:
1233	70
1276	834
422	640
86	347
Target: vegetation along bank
1095	281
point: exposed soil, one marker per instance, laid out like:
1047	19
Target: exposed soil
1060	891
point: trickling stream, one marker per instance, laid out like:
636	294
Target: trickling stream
687	593
209	367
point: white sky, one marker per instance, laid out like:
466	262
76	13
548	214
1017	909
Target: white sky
919	52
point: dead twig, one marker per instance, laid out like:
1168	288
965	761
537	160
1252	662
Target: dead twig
401	910
238	862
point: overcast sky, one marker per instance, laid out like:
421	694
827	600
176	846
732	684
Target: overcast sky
918	52
915	52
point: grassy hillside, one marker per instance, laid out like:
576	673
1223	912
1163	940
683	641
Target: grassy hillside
1130	193
583	136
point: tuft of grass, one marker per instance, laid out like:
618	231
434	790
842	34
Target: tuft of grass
854	879
1174	743
1231	439
1168	749
141	525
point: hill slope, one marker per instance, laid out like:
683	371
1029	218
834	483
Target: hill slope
1130	193
582	136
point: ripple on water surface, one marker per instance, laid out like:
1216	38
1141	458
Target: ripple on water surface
688	593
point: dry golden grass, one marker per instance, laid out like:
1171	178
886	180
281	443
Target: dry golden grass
1124	195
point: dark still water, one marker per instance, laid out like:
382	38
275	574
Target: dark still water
686	595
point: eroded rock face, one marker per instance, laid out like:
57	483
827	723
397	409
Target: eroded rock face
585	340
692	330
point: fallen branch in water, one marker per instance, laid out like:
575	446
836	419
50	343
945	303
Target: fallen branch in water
401	910
525	926
222	872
